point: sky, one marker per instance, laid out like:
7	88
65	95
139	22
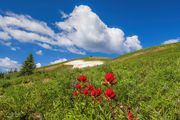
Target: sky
60	30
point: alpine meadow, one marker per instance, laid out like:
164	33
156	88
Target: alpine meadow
89	60
145	85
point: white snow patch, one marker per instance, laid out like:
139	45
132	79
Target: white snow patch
83	64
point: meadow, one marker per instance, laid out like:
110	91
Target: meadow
148	83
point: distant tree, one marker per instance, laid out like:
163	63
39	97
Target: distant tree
1	75
11	70
15	70
28	66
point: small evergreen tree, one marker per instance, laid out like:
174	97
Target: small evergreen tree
28	66
11	70
15	70
1	75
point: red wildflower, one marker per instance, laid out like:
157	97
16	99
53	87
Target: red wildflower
85	91
99	100
89	87
109	93
96	92
100	90
75	94
110	78
78	86
87	81
130	115
82	78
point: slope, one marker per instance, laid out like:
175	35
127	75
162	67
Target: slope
148	82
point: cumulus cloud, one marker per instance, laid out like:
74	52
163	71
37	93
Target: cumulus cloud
84	29
64	15
38	65
132	43
81	30
39	52
7	64
59	61
171	41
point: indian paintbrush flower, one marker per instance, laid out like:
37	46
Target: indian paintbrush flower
82	78
110	78
130	115
85	91
75	93
78	86
90	87
109	93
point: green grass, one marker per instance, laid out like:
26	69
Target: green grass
61	66
148	82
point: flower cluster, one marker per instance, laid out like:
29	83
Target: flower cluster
89	90
85	88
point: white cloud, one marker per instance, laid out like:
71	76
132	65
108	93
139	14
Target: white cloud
44	45
39	52
13	49
25	22
59	61
26	29
38	65
7	64
8	44
4	36
64	15
24	36
84	29
171	41
76	51
80	31
132	43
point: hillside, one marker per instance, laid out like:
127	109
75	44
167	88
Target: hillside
61	65
148	82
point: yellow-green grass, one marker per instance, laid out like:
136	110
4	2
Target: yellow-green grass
148	82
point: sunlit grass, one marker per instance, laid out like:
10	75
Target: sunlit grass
148	82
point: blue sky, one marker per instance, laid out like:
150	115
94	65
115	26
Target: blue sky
88	28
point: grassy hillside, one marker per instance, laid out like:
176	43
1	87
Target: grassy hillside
60	65
148	83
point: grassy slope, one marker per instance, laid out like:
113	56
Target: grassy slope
149	81
60	65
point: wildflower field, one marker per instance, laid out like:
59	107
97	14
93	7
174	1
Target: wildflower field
143	85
